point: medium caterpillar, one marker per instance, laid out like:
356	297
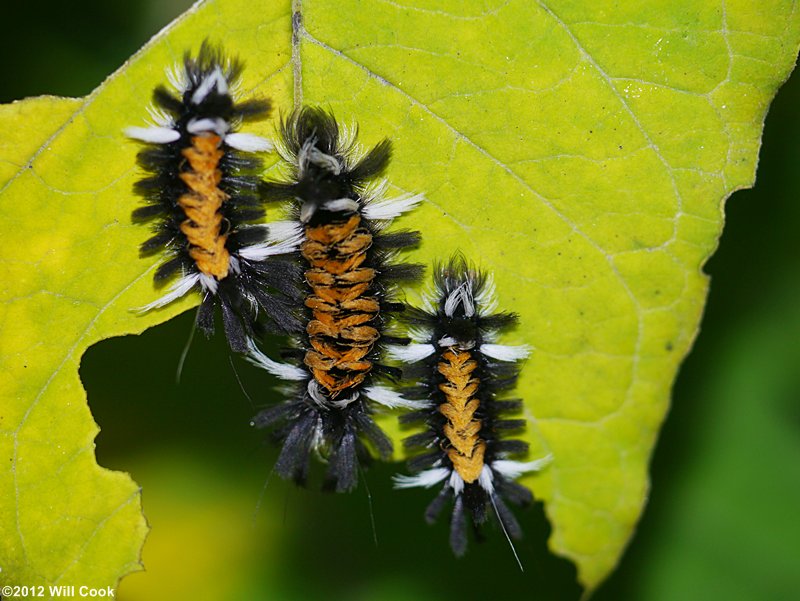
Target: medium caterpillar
348	284
202	191
462	375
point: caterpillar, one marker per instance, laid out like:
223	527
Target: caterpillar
463	374
348	281
202	192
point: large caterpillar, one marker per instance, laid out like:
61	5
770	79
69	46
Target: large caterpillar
202	190
348	287
462	375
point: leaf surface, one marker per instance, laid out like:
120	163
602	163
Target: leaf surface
64	518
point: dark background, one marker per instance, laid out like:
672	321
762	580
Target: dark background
722	521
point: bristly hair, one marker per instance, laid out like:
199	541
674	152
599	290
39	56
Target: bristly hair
462	376
348	282
202	195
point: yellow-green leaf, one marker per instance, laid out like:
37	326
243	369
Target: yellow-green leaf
64	518
579	150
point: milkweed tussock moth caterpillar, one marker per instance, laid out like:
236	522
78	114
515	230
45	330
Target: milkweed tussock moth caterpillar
202	193
349	281
463	375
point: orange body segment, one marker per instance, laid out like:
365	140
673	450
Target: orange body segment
462	429
203	224
342	331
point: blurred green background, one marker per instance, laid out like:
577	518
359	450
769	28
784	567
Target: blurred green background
723	521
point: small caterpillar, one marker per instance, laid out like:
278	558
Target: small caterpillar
461	372
348	294
203	193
